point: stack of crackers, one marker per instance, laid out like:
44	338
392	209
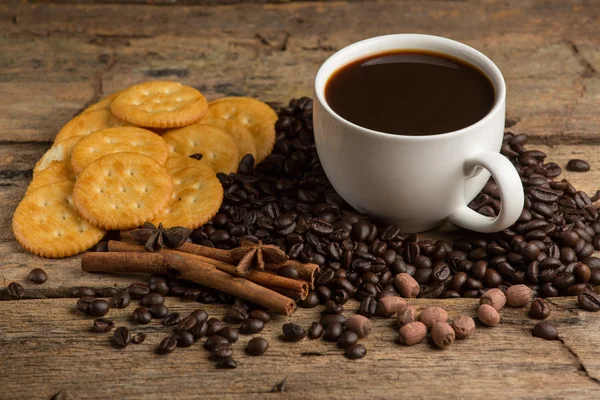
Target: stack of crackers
149	153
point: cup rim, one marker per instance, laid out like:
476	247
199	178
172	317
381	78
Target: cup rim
499	100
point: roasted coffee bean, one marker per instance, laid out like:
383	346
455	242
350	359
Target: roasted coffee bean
347	339
160	287
106	292
332	307
323	293
187	323
222	351
16	291
257	346
545	330
152	299
121	299
98	308
236	314
577	165
141	315
540	309
83	304
288	272
355	352
103	325
214	340
311	301
200	315
589	301
138	290
358	324
329	318
83	292
121	337
333	332
368	306
158	311
171	319
293	332
229	333
251	326
37	275
138	338
214	326
315	331
168	344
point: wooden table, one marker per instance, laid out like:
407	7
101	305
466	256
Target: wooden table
56	58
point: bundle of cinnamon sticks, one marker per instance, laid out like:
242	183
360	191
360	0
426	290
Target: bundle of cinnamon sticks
211	267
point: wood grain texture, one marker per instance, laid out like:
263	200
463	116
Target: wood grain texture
59	58
47	347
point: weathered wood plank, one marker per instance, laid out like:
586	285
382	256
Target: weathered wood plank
17	160
47	347
59	58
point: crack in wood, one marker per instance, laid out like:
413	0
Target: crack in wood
580	366
109	61
159	73
588	68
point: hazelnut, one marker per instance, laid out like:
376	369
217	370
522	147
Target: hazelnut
406	315
431	315
493	297
406	285
488	315
518	295
463	326
442	334
388	306
359	324
412	333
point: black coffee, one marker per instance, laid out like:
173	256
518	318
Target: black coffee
410	92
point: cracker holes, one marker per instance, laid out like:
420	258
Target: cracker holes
64	217
58	233
116	206
146	190
124	189
81	229
131	173
138	205
108	173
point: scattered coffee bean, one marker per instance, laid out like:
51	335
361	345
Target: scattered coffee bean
229	333
83	292
347	339
311	301
187	323
201	315
98	308
463	326
222	350
359	324
168	344
327	319
293	332
331	307
355	352
431	315
141	315
15	291
214	326
540	309
152	299
589	301
545	330
37	275
214	340
158	311
106	292
226	363
184	338
138	290
389	305
171	319
494	297
121	299
577	165
138	338
288	272
406	285
83	304
159	286
412	333
406	315
442	334
488	315
199	330
315	331
263	315
257	346
121	337
518	296
236	314
333	332
251	326
103	325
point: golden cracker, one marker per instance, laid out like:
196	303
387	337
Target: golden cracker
46	223
257	116
58	171
58	152
89	122
197	197
122	190
217	147
175	162
240	133
160	104
118	140
104	103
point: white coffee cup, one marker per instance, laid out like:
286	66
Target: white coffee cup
417	182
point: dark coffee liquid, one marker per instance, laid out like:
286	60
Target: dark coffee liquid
410	92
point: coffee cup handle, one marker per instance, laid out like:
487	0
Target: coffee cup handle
511	193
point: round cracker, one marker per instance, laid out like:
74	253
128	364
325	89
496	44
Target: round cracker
104	103
197	197
89	122
122	190
257	116
160	104
175	162
118	140
46	223
218	148
58	171
240	133
58	152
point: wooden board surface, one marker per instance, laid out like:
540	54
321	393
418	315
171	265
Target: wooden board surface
57	58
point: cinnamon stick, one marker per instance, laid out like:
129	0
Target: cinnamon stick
191	268
299	288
